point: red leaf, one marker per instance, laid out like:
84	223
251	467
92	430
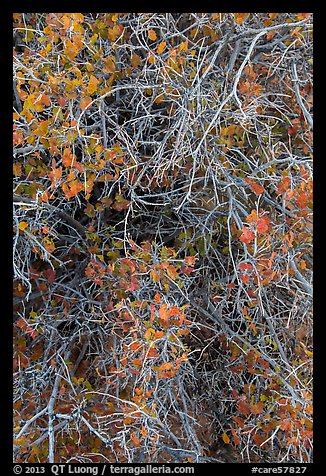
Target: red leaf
50	274
245	279
245	266
247	235
262	224
283	185
258	439
186	270
235	394
244	408
61	101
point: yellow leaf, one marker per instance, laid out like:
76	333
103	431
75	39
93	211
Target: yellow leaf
152	35
148	334
183	46
154	275
161	47
98	373
92	85
240	17
109	64
225	438
22	225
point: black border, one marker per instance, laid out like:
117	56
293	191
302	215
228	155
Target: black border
6	201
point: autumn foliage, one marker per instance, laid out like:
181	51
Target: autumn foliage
162	237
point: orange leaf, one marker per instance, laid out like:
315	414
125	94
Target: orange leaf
153	310
135	440
128	420
152	353
74	187
163	312
183	46
289	194
152	35
109	64
283	185
302	16
137	362
17	169
159	334
186	270
172	272
157	298
257	408
174	311
55	174
84	102
190	260
67	158
165	366
255	187
135	346
45	99
155	275
236	439
225	438
252	217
